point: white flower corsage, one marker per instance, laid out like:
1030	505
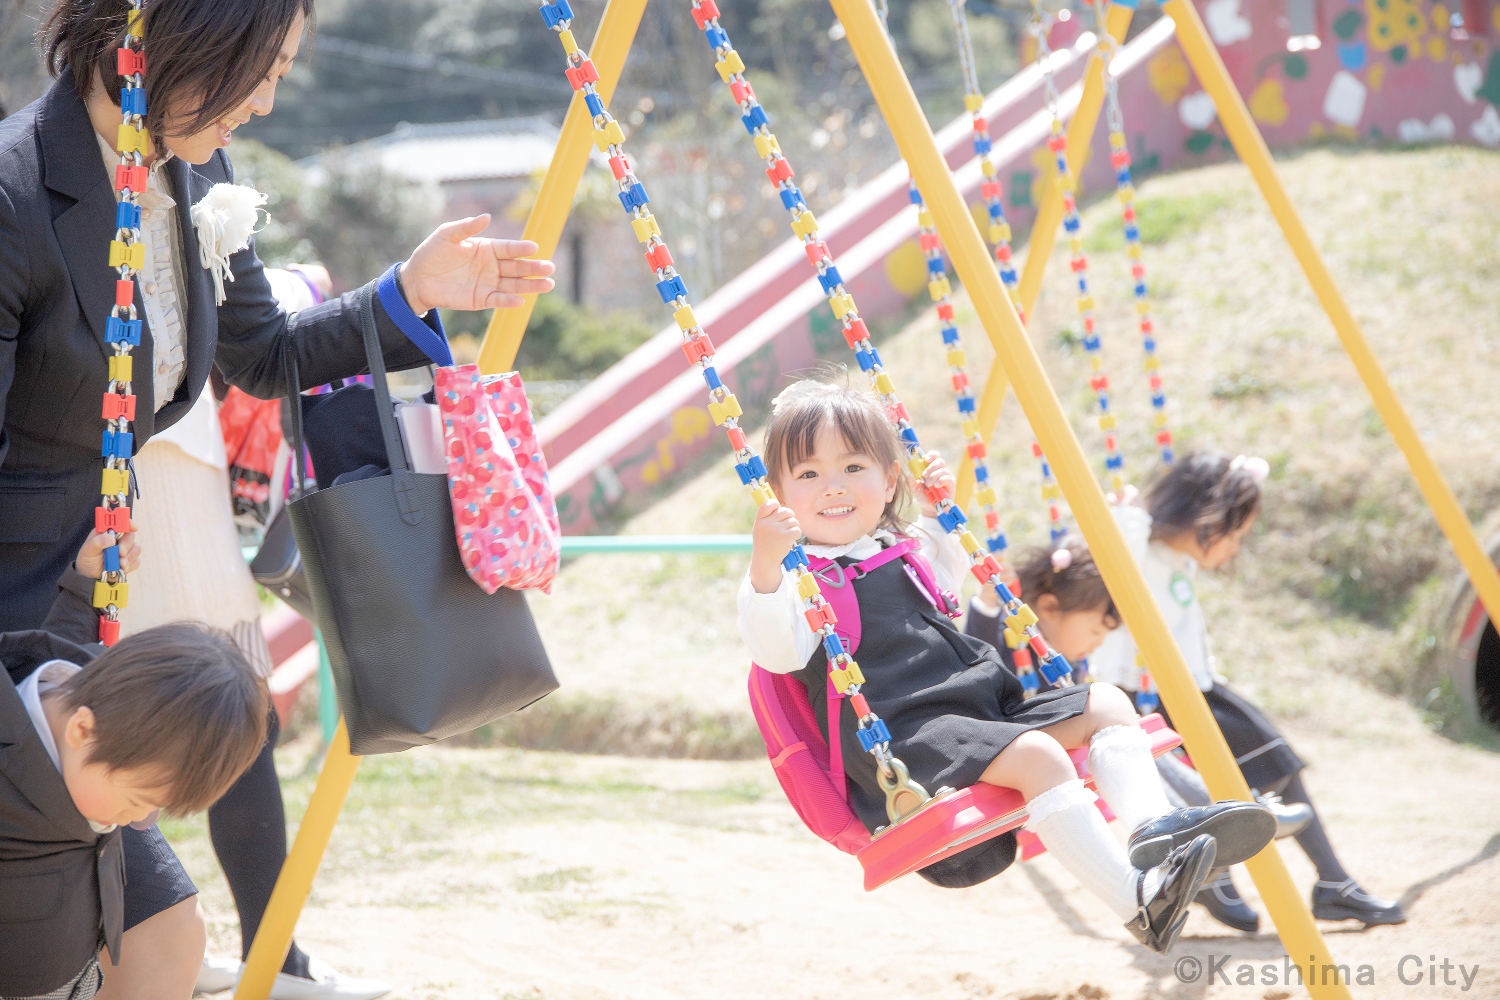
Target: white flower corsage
225	220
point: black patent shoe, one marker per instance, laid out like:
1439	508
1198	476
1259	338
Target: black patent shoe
1347	901
1240	830
1157	923
1225	904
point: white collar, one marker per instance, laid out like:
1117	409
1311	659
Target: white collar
42	680
861	548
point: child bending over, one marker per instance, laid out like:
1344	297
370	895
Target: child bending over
956	714
91	741
1196	517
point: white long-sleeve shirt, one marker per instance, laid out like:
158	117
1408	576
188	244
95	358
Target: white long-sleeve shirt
772	624
1170	576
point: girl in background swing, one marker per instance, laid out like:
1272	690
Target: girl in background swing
1196	516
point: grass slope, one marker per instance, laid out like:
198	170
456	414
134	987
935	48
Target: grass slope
646	646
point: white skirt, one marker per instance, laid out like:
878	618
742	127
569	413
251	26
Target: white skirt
191	568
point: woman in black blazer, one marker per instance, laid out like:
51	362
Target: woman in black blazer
211	65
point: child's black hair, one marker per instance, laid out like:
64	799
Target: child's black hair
1203	493
1073	579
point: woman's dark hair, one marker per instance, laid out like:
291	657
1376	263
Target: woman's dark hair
1202	493
203	57
179	701
1074	580
802	410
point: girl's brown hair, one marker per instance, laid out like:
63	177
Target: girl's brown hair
1204	494
204	58
179	701
804	409
1073	579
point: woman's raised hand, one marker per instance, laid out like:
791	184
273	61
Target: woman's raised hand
456	268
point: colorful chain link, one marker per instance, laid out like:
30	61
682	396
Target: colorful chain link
1057	142
997	232
1020	619
725	410
1119	159
122	331
939	289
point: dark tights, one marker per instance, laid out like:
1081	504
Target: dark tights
248	828
1313	840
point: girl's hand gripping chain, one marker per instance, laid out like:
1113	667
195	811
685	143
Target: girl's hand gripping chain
774	535
937	477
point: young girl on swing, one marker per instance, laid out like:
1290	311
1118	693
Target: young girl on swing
956	715
1196	517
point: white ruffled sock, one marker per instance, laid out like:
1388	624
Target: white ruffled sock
1074	832
1126	776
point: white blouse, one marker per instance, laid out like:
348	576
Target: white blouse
772	624
161	280
1171	577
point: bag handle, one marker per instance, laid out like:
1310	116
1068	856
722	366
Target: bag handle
401	475
294	398
402	483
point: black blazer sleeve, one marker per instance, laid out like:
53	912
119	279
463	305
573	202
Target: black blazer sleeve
15	273
72	615
254	331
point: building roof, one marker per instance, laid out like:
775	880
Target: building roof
455	151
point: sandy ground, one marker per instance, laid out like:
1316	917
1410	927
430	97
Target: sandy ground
513	874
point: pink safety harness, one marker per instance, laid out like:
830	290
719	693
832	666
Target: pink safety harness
810	769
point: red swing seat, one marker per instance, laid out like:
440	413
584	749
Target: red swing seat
948	823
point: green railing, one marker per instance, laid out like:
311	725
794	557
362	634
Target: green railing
580	545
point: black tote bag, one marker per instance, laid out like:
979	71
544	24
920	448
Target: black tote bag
419	651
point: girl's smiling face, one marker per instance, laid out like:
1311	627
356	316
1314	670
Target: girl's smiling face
838	494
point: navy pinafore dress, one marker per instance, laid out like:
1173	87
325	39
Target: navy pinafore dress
951	701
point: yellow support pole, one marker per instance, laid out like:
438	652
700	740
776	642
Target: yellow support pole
293	885
544	225
914	139
1044	230
1251	147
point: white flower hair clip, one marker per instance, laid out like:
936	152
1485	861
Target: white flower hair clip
1061	559
1257	467
225	219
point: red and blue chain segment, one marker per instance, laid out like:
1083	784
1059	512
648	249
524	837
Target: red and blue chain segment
1119	158
939	289
998	233
122	331
983	564
1119	161
1057	143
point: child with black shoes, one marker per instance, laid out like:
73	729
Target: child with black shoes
1195	517
1063	587
92	740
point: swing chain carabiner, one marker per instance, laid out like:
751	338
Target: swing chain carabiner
1108	49
1041	23
903	796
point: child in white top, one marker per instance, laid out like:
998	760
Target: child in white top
1197	516
956	715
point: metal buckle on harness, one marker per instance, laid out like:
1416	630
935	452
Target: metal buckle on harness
832	567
